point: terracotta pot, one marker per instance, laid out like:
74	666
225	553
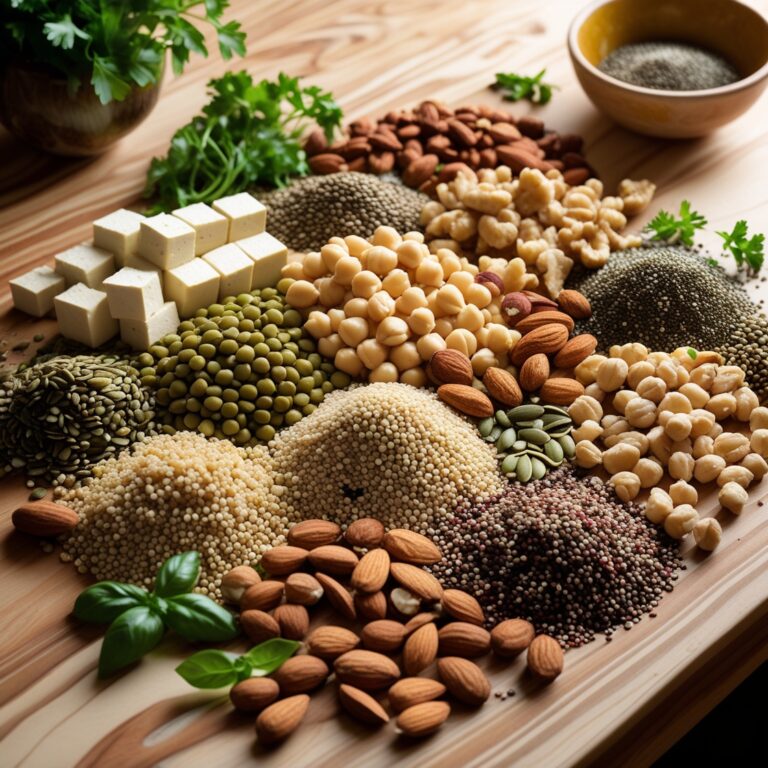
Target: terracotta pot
37	107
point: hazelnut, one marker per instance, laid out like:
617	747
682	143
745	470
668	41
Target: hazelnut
626	485
492	282
707	534
514	307
683	493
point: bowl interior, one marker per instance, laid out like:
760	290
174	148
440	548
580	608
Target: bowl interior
733	30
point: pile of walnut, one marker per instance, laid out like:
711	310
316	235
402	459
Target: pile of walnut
667	414
537	217
376	580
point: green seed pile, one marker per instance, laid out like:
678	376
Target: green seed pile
664	298
239	370
385	450
307	214
747	347
62	416
171	494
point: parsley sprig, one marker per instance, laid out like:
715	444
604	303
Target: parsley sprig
517	87
666	227
747	251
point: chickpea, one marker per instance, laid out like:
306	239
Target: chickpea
660	444
622	397
708	468
675	402
659	506
346	360
680	466
585	408
330	345
405	356
356	308
758	419
717	429
450	263
667	371
410	254
336	316
703	446
392	332
683	493
652	388
589	430
707	534
462	340
701	422
318	324
611	374
470	318
755	463
746	402
498	338
587	455
697	396
386	372
678	427
449	300
381	260
704	375
638	439
301	294
735	474
630	353
620	457
759	442
728	379
626	484
732	446
681	521
415	377
344	271
443	326
662	417
380	306
365	284
649	471
613	425
355	245
429	344
353	330
421	321
478	295
314	266
722	405
593	390
372	353
586	370
640	412
638	372
429	272
293	270
683	446
733	497
482	360
462	280
396	283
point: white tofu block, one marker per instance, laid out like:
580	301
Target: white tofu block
118	233
83	315
269	257
134	294
85	264
192	286
33	292
234	268
247	216
142	334
135	261
166	241
211	228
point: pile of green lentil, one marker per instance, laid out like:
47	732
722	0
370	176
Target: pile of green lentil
238	370
747	347
312	210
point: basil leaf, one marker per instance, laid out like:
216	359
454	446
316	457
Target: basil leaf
243	668
209	669
178	574
269	655
129	637
104	602
199	619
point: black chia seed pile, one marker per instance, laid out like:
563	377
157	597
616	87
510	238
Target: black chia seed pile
747	347
669	66
663	297
562	552
314	209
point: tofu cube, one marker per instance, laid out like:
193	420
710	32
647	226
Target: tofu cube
134	294
83	315
85	264
269	256
166	241
33	292
234	268
211	228
192	286
142	334
118	233
137	262
247	216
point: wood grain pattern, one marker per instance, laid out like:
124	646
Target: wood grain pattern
619	703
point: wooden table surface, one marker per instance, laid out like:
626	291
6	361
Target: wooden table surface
619	703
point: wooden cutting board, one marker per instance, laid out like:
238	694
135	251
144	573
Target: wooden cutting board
618	703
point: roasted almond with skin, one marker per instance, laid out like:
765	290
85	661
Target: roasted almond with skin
411	547
420	649
259	625
337	595
576	349
449	366
557	391
545	657
293	620
282	560
417	581
362	706
44	518
413	690
235	582
263	596
511	637
254	693
366	669
333	559
327	162
463	607
372	572
281	719
540	303
545	340
420	170
534	372
466	399
544	317
419	620
464	680
460	638
303	589
329	642
371	607
310	534
365	533
575	304
383	635
502	386
301	674
423	719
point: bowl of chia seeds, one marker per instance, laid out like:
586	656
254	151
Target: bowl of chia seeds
670	68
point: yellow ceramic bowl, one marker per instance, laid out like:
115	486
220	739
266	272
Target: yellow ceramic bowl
727	27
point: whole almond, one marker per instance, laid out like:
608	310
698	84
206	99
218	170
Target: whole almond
462	606
420	170
420	649
371	607
235	582
382	140
560	391
510	637
337	595
419	620
381	163
504	133
311	534
327	162
333	559
449	366
303	589
534	372
259	625
518	159
283	559
543	317
545	657
383	635
413	690
462	134
466	399
545	340
372	572
281	719
44	518
362	706
576	349
329	642
254	693
575	304
263	596
540	303
423	719
417	581
301	674
293	620
460	638
366	533
366	669
411	547
464	680
502	386
315	143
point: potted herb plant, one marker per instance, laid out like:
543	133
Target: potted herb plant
76	77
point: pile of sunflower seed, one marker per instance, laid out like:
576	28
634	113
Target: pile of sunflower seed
61	416
530	439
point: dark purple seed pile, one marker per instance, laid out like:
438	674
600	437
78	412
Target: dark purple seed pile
562	552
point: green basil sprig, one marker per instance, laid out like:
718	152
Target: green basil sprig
138	619
216	669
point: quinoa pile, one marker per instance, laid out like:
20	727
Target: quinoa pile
562	552
389	451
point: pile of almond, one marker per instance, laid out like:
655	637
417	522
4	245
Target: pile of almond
396	626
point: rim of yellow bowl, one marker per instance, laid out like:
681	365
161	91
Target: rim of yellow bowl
575	51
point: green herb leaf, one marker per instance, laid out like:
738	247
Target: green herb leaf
107	81
666	227
197	618
516	87
130	636
105	601
178	574
747	251
62	33
692	353
209	669
268	656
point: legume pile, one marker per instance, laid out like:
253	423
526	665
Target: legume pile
562	552
747	347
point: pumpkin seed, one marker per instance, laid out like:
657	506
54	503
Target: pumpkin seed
503	419
568	446
524	469
485	426
554	450
506	440
509	464
538	469
524	412
535	436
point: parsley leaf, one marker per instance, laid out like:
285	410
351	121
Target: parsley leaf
517	87
747	251
62	33
666	227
